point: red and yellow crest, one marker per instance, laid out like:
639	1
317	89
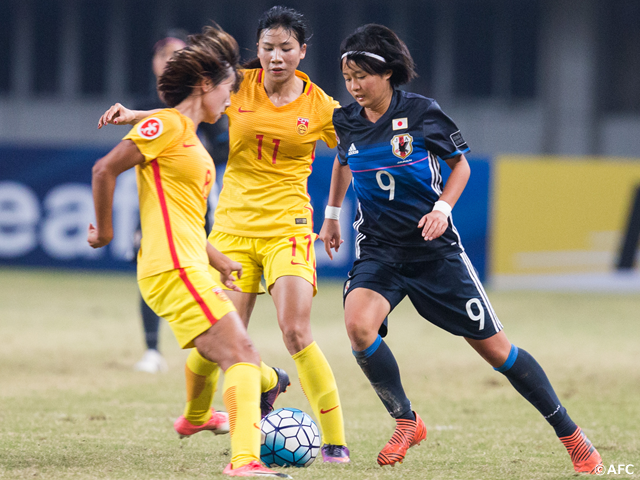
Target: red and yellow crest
402	145
220	293
303	126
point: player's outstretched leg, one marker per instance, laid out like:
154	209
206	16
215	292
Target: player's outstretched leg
380	366
529	379
201	380
240	393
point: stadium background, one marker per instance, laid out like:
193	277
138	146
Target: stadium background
547	94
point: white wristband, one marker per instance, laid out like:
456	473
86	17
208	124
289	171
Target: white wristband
332	213
442	206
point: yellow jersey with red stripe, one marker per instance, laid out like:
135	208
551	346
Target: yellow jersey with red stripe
271	150
173	185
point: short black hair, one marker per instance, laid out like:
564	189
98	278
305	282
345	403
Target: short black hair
382	41
287	18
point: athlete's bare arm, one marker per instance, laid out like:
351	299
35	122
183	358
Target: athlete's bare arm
225	266
124	156
118	114
435	223
330	232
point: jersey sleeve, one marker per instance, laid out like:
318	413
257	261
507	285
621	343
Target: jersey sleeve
328	134
441	135
155	133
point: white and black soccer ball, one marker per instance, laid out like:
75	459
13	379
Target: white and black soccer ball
290	438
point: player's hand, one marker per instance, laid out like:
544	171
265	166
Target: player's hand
226	274
118	114
330	236
95	239
433	225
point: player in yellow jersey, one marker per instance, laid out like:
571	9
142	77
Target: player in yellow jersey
264	217
175	174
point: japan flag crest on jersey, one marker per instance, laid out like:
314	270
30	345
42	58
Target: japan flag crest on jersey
402	145
150	128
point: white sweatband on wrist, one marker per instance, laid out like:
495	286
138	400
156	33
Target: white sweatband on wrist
332	213
442	206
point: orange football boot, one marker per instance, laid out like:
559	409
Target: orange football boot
408	433
584	455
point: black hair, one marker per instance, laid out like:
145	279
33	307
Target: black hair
382	41
287	18
212	54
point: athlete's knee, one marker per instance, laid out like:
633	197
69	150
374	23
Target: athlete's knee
227	349
247	353
296	335
243	352
360	333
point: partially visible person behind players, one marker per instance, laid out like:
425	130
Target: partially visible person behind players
264	218
389	144
175	174
152	360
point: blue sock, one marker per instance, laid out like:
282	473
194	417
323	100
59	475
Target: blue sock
151	324
528	378
380	366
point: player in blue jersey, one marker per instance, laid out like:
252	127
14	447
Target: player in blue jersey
406	244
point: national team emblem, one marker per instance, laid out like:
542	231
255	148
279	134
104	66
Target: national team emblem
151	128
303	126
402	145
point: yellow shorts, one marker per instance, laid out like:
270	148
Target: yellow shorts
188	298
273	257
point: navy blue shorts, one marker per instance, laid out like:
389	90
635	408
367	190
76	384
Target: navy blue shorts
447	292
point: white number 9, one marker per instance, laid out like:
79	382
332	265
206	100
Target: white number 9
392	183
480	316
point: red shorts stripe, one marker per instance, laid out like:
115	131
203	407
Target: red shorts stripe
197	297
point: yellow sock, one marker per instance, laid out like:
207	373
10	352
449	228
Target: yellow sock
269	377
319	385
202	382
241	394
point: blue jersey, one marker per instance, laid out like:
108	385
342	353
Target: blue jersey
396	176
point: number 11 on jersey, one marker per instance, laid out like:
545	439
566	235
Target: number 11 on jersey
276	142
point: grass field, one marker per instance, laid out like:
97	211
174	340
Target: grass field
71	406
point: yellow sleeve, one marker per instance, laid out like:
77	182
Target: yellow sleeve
328	134
153	134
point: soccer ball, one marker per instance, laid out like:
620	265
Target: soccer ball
290	438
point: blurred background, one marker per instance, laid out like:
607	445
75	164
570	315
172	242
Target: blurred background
546	93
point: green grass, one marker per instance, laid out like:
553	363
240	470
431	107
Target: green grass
71	406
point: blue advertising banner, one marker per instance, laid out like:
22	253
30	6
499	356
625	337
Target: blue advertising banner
46	205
